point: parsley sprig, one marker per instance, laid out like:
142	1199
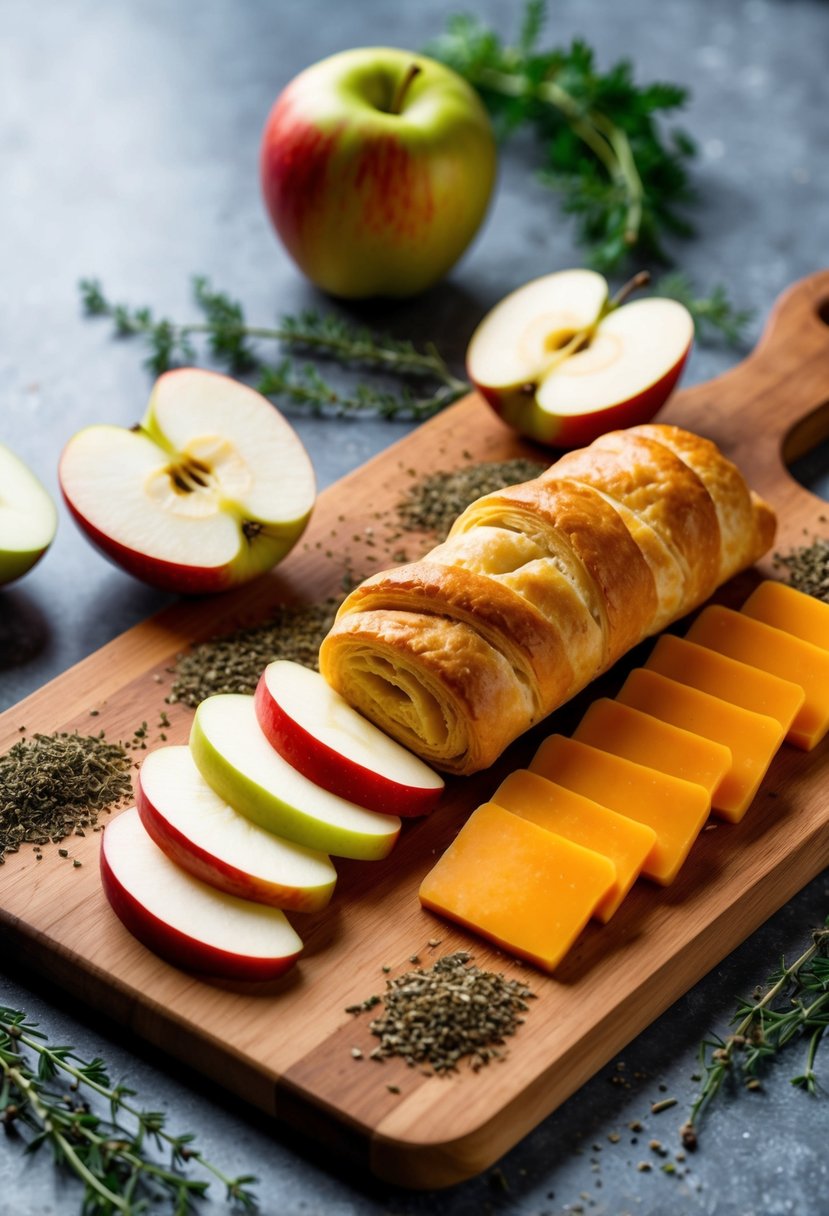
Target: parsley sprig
623	181
426	383
50	1096
793	1006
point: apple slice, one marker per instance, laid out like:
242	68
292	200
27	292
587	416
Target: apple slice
184	920
201	833
236	759
325	739
562	364
211	489
28	518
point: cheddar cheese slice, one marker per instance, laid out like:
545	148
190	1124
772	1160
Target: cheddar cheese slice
740	637
752	738
639	736
526	889
624	841
728	679
675	809
790	610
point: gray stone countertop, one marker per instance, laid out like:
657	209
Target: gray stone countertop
128	143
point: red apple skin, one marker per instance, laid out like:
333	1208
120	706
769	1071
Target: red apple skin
180	949
368	208
519	411
167	576
216	872
334	772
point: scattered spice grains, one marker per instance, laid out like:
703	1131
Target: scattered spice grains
808	568
433	504
439	1015
51	785
235	661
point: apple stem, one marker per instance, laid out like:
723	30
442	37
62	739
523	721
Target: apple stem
639	280
412	72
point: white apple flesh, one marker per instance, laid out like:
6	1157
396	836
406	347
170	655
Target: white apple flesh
185	921
213	488
200	832
620	376
28	519
325	739
235	758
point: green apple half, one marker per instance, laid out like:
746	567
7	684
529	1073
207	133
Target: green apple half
562	364
236	759
28	518
211	489
377	166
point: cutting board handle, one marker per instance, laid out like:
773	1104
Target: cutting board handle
774	406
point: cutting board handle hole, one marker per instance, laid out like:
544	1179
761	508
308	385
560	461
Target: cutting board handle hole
823	311
805	447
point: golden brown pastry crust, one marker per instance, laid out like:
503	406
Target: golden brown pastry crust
539	588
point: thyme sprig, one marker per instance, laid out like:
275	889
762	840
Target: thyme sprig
793	1007
715	317
603	151
231	342
110	1153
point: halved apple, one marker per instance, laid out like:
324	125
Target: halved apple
562	364
200	832
212	488
235	758
184	920
28	518
325	739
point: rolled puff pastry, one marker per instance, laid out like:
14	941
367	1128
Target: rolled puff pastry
539	588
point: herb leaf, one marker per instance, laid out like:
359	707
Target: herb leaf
624	183
715	317
51	1103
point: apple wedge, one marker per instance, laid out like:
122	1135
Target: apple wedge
184	920
200	832
325	739
235	758
562	364
28	518
210	490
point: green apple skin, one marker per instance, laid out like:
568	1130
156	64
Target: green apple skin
28	519
267	809
369	202
519	409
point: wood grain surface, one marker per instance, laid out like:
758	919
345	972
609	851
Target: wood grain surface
286	1047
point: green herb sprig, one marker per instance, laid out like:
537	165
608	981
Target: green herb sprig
793	1007
715	317
231	342
625	183
111	1153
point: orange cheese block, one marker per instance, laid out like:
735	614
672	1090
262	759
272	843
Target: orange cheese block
790	610
638	736
675	809
728	679
740	637
626	842
752	738
526	889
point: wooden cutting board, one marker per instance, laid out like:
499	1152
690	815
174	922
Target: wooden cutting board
287	1047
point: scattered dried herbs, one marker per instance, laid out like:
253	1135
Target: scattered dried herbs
434	503
235	661
51	785
446	1012
808	568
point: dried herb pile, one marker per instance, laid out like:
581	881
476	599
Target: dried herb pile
433	504
235	661
808	568
52	785
439	1015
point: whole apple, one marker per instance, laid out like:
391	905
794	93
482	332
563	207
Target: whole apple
377	167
